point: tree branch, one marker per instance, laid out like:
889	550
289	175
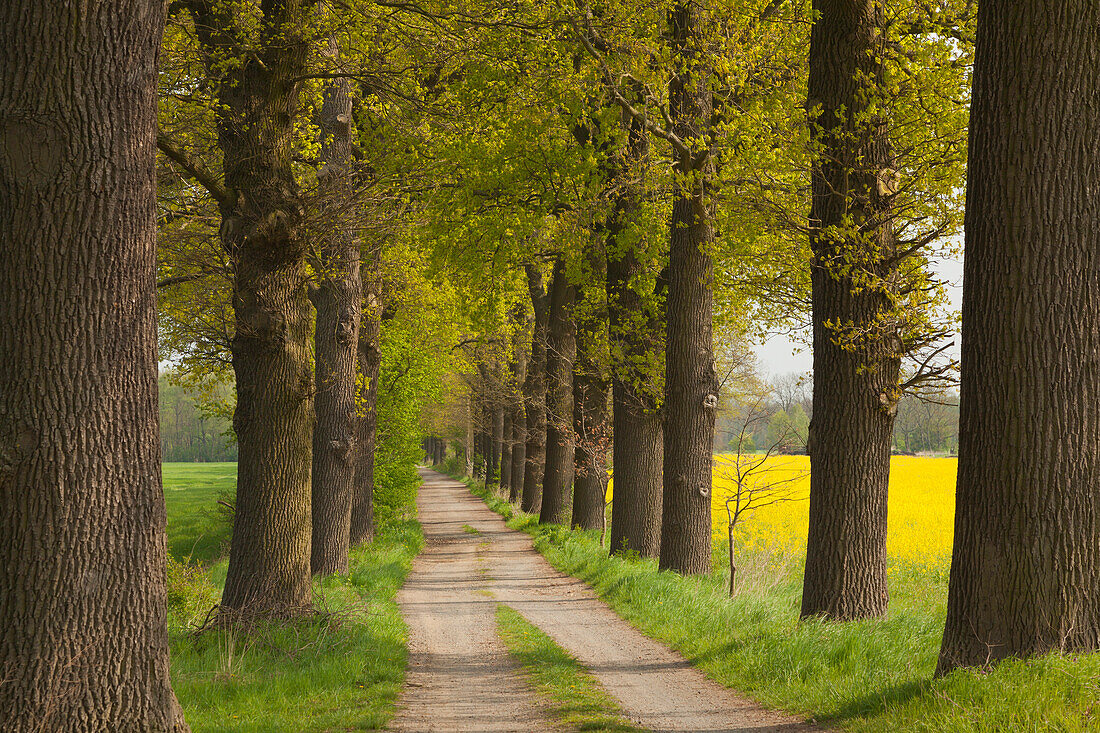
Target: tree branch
193	169
180	279
617	96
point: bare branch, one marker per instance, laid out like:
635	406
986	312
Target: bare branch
194	169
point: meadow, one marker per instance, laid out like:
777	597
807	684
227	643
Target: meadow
339	669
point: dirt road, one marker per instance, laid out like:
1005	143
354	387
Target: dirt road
461	677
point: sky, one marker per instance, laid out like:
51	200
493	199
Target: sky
783	354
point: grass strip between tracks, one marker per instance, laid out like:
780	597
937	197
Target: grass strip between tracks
577	700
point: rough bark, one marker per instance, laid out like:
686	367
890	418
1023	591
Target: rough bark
83	642
1026	559
369	351
337	300
591	421
691	387
506	450
534	395
855	385
262	233
519	425
561	348
494	422
470	436
637	360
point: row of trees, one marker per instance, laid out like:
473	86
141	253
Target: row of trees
189	429
776	415
572	199
638	175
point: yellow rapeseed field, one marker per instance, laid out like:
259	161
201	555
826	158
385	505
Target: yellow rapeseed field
921	508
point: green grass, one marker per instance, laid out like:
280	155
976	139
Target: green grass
861	676
576	698
341	669
197	526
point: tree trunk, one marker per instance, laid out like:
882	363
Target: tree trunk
1027	526
534	395
470	450
591	425
637	360
561	348
370	363
337	299
83	643
494	424
519	438
519	422
506	450
855	375
691	386
262	233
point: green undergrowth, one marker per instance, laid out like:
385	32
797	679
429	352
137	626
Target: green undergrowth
339	669
859	676
577	700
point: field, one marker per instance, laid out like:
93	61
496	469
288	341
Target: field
921	508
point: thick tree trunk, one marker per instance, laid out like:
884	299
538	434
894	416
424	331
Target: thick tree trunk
470	449
506	450
262	233
370	363
1027	525
691	387
519	453
855	376
337	299
637	366
591	423
519	422
496	446
83	642
534	395
561	348
481	451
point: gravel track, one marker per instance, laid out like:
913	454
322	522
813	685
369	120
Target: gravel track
461	677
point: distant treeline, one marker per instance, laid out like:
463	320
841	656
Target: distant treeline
780	423
186	433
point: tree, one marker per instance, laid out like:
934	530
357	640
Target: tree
255	71
561	349
855	375
84	643
691	385
756	483
885	175
1026	556
369	352
591	426
636	339
787	431
337	299
519	417
534	394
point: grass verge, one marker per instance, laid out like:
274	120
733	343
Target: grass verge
860	676
340	669
577	699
